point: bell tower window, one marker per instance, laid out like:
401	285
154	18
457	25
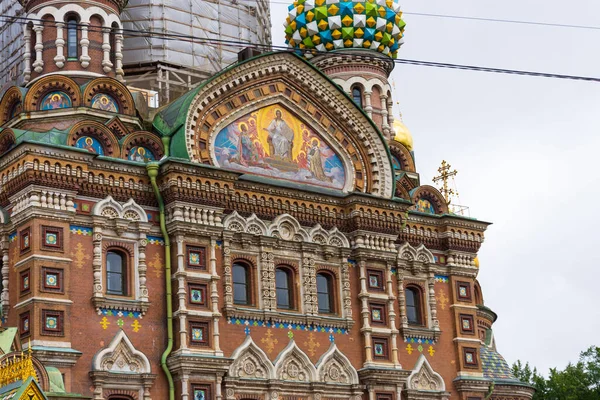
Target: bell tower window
72	37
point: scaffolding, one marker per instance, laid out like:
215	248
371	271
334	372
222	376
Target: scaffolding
172	67
160	68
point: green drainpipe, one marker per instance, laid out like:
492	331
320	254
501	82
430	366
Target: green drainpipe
152	169
167	145
490	390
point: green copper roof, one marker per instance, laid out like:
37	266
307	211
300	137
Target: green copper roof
494	365
17	389
7	338
56	381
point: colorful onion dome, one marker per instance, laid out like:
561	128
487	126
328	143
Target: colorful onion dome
402	134
326	25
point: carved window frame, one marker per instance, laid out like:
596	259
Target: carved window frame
206	332
25	328
60	323
201	265
130	257
380	274
25	240
58	231
386	348
203	287
59	272
25	282
251	289
333	286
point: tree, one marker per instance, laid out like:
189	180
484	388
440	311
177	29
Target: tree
580	381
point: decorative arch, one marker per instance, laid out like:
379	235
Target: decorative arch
287	227
51	83
84	14
424	378
143	139
284	79
97	131
402	154
121	357
292	364
7	140
11	104
111	209
251	362
113	88
334	367
433	196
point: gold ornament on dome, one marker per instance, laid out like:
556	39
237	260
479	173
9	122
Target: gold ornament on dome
17	368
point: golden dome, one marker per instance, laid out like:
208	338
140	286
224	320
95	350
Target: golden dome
476	261
403	135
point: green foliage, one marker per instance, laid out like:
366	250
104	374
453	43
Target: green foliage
580	381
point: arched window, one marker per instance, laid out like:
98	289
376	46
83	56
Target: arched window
113	44
414	309
357	96
284	285
241	287
325	293
72	37
116	273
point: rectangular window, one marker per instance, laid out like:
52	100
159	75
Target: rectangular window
72	39
52	280
25	236
52	238
52	323
463	291
199	334
380	348
197	294
201	392
378	313
466	324
25	282
24	324
196	257
375	279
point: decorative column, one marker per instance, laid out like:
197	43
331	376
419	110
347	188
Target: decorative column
84	59
142	269
309	285
181	292
59	59
227	278
119	56
5	281
214	295
368	107
184	387
218	393
401	298
27	55
392	316
384	117
267	264
366	328
106	63
435	324
390	106
38	64
97	261
346	294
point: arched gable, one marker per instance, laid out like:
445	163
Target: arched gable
334	367
110	208
424	378
115	89
432	196
97	131
11	104
121	357
287	227
286	82
143	139
51	83
398	150
250	361
292	364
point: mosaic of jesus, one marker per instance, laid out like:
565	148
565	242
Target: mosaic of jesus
273	142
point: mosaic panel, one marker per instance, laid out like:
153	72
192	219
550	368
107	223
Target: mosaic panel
104	102
90	144
141	154
55	100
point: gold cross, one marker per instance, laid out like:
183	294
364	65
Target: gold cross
104	323
442	299
312	344
136	325
157	264
431	351
269	341
409	349
445	173
80	255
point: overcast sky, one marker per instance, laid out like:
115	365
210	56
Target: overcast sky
527	154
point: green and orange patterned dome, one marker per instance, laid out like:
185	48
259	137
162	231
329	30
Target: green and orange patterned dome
326	25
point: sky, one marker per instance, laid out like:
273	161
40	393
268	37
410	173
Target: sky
526	151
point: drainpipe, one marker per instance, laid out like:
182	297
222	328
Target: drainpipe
152	169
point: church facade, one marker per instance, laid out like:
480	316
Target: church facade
265	236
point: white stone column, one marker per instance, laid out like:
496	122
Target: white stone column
119	56
27	55
142	267
84	59
391	114
181	293
365	313
368	107
106	63
38	64
59	59
5	281
385	127
97	262
392	316
214	296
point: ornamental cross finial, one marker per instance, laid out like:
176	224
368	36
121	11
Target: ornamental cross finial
445	173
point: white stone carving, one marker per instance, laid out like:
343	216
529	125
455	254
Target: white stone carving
292	364
423	377
121	357
112	209
251	362
422	254
334	367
